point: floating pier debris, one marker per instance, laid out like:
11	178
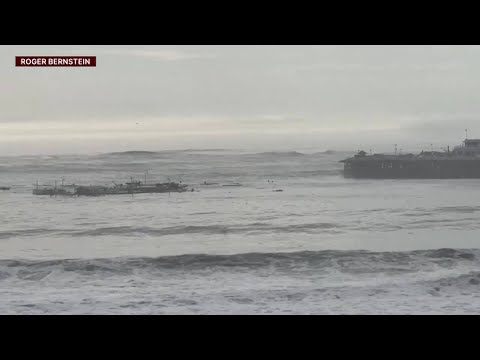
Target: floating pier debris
209	183
54	190
133	187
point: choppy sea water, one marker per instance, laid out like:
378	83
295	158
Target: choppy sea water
323	245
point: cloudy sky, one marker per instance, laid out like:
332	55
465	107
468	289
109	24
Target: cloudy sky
241	97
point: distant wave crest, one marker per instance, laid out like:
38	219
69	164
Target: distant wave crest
281	153
206	229
139	152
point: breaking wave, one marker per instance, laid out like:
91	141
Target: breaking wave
350	262
281	153
253	228
412	221
206	229
144	152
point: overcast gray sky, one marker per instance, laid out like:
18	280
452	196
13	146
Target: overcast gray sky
257	97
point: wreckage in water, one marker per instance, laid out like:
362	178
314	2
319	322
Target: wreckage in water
54	190
134	187
462	162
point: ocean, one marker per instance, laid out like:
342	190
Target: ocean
295	238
